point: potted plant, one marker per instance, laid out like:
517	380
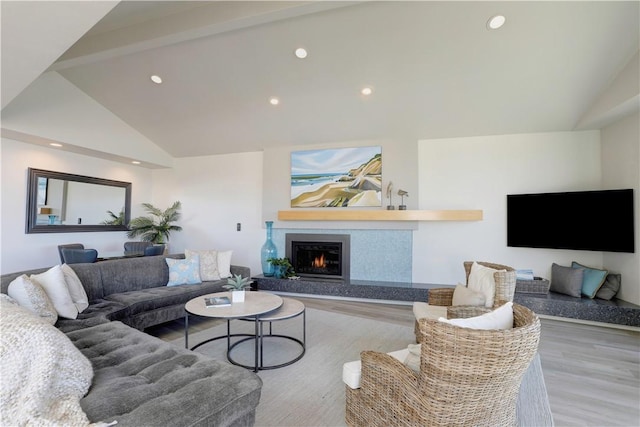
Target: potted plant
237	285
157	226
282	267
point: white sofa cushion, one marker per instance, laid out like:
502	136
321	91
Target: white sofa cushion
76	290
55	285
500	318
465	296
32	296
424	310
351	370
208	263
481	279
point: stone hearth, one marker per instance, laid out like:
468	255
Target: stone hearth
616	312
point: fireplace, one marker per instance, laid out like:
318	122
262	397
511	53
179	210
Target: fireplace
321	256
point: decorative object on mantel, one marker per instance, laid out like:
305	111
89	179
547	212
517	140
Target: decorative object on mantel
390	206
157	227
237	285
336	178
283	268
402	193
268	251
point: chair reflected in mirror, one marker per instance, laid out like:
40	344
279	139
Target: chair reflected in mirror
154	250
68	246
78	256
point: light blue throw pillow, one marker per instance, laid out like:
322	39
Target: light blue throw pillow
592	280
184	271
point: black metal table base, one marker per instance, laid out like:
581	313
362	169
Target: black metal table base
258	338
261	366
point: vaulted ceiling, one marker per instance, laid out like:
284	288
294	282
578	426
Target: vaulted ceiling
435	69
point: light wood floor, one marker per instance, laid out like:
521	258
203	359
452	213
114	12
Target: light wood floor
592	373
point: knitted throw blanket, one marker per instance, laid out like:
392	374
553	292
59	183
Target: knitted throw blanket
43	375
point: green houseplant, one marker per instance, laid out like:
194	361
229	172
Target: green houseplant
157	226
283	267
237	285
114	219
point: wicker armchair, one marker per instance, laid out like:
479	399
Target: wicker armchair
467	377
505	289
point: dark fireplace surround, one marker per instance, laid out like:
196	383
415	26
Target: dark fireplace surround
320	256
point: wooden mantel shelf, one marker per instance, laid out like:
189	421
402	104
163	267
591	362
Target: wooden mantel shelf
380	215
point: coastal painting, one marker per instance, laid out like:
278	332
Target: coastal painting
333	178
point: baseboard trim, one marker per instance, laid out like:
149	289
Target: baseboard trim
590	322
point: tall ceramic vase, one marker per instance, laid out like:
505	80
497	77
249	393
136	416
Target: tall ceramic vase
269	250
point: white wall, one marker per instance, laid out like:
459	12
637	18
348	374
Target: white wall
21	251
216	193
478	173
621	169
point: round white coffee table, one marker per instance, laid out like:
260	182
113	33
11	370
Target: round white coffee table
254	305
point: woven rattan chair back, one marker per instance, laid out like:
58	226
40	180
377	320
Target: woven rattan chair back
505	280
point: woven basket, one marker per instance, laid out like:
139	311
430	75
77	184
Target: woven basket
532	286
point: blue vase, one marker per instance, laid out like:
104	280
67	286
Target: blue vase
269	250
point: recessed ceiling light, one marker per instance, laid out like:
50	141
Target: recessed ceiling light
301	53
55	144
496	22
156	79
274	101
366	91
135	162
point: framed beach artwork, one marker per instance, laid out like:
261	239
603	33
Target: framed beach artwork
335	178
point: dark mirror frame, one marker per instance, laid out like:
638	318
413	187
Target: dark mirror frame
32	203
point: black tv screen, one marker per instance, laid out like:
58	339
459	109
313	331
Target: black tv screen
583	220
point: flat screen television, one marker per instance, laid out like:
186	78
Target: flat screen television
583	220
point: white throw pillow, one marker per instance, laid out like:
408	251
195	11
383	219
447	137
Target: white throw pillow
412	360
53	283
208	263
31	296
424	310
465	296
481	280
500	318
76	290
224	264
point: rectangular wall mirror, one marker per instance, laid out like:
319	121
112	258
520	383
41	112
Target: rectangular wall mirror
64	203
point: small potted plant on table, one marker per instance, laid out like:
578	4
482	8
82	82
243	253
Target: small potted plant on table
237	285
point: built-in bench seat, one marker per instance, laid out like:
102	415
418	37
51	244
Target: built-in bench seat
552	304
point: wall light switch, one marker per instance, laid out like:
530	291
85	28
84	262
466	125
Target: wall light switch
238	227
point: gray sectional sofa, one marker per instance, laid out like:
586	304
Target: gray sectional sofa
140	380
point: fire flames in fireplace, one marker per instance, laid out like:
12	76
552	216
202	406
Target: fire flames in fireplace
319	255
319	262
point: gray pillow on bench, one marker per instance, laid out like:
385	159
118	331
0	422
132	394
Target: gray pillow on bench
610	287
566	280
